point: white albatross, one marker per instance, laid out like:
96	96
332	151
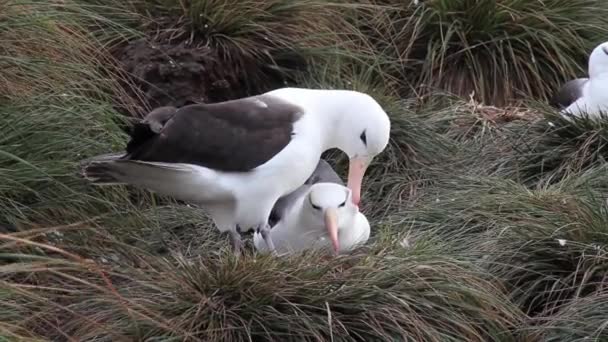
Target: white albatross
587	95
323	173
322	217
235	159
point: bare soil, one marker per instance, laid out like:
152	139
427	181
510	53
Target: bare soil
177	72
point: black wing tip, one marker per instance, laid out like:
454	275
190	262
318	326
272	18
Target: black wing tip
140	133
97	170
150	126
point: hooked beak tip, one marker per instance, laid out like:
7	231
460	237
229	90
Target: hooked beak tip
356	172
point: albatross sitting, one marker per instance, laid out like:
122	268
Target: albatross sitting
587	95
235	159
324	173
323	216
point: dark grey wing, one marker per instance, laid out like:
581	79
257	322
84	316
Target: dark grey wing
236	135
284	203
568	93
323	173
150	126
157	118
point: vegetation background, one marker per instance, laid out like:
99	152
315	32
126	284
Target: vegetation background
489	211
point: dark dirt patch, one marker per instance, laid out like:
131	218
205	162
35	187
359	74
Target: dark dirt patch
177	73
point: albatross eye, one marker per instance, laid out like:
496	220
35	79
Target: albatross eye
342	204
605	49
363	138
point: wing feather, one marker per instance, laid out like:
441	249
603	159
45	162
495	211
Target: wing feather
236	135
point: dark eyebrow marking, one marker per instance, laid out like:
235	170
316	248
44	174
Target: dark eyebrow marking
314	206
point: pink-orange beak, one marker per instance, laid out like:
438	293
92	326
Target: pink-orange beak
356	171
331	223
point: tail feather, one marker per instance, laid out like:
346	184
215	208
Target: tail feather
180	181
98	171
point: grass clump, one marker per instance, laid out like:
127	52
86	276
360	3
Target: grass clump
381	293
56	109
560	146
488	224
216	50
498	50
546	244
582	319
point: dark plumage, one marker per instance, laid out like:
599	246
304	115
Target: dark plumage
323	173
150	126
568	93
236	135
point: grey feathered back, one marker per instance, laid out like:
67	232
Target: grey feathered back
322	173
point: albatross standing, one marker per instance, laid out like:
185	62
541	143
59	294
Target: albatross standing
321	217
237	158
587	95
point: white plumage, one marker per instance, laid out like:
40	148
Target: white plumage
594	91
238	201
322	217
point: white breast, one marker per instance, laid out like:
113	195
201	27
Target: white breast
357	235
291	235
597	94
284	173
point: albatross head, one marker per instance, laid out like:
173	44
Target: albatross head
598	61
362	133
329	205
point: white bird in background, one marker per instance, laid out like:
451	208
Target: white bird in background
322	217
587	96
235	159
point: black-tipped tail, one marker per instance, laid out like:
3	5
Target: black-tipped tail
98	170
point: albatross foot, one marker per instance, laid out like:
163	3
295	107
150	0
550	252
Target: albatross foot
265	231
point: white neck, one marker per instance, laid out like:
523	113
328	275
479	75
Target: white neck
596	92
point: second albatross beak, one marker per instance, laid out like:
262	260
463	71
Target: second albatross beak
331	223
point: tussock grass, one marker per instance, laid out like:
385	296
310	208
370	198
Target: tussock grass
260	27
531	144
499	50
228	48
547	244
580	320
383	293
56	109
564	145
52	48
488	224
41	146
